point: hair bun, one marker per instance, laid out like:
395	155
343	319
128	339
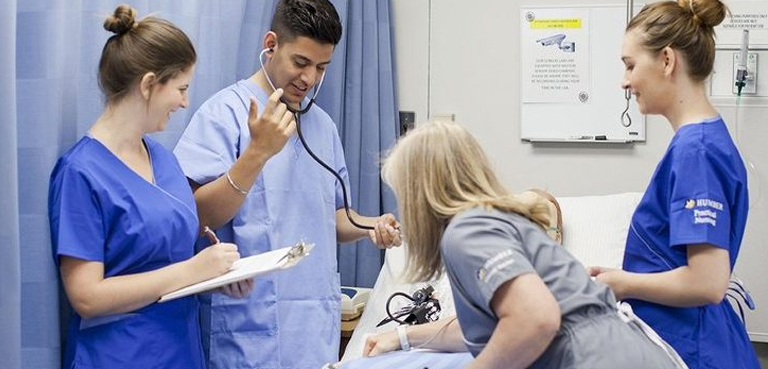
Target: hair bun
709	12
121	21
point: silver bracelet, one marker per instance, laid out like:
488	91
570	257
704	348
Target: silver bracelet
235	186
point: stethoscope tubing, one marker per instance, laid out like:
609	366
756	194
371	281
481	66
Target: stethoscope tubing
297	113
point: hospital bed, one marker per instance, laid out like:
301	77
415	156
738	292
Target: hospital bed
594	228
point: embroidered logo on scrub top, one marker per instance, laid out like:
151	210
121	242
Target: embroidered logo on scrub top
495	265
704	210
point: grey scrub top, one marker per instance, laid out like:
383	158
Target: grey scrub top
483	248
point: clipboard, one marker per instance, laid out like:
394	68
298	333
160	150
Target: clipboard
248	267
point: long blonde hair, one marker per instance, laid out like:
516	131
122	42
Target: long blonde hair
437	171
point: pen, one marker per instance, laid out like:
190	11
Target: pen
211	235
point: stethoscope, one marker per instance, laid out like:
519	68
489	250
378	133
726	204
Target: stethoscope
297	113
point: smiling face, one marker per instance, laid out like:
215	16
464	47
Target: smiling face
167	97
644	75
297	66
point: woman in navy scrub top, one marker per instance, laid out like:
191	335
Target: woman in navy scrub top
686	232
123	218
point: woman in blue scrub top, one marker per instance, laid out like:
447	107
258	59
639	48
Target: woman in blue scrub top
686	232
123	218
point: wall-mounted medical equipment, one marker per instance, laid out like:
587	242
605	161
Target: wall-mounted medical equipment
742	52
745	64
734	84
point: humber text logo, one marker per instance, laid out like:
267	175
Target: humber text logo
709	203
705	211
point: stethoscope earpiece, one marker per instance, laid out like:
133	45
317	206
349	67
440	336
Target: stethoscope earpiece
269	80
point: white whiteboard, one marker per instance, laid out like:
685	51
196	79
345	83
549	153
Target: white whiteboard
571	72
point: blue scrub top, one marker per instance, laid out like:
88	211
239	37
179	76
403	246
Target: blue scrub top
292	318
698	194
101	210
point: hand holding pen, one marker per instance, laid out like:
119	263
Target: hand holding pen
216	259
239	289
212	238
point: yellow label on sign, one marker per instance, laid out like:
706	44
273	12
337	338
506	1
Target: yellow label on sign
555	23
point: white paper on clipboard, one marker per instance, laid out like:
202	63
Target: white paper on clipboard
248	267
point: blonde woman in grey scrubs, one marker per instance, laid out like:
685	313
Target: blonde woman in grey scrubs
522	301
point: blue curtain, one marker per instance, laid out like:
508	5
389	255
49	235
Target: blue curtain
49	97
10	269
363	105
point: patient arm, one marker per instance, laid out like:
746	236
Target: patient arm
703	281
444	335
529	318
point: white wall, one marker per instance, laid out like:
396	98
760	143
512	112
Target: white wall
461	57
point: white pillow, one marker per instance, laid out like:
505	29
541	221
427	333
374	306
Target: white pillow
595	227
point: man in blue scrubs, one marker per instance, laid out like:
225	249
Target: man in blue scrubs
258	186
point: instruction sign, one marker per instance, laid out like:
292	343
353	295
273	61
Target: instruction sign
555	56
749	15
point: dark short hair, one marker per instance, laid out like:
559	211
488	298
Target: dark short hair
314	19
139	47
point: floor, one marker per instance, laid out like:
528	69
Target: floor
762	353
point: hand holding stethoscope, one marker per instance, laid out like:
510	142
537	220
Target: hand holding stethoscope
271	130
386	233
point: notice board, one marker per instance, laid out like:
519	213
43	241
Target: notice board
571	75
